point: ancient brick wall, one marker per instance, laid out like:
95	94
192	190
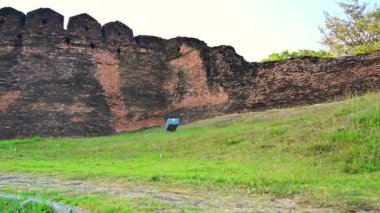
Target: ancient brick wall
95	80
311	80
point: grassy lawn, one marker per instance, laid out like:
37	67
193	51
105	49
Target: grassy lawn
326	154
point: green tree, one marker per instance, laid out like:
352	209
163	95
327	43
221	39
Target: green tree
296	54
355	33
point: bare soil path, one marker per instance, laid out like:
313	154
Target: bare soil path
205	200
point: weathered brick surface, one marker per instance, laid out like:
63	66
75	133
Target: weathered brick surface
94	80
44	21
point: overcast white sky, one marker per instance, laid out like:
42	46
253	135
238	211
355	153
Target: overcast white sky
255	28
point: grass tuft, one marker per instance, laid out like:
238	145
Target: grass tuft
23	205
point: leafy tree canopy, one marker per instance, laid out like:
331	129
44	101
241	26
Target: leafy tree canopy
358	31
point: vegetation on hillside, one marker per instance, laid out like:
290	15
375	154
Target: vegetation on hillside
296	54
325	154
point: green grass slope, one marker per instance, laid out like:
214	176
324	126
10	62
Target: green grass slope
327	154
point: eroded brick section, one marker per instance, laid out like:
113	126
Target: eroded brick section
143	124
108	74
191	76
61	107
77	119
8	98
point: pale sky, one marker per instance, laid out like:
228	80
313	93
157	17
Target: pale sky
255	28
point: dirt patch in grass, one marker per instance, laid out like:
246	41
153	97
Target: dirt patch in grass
184	198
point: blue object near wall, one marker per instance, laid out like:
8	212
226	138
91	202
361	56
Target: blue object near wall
171	124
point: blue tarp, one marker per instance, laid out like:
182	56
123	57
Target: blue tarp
171	124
